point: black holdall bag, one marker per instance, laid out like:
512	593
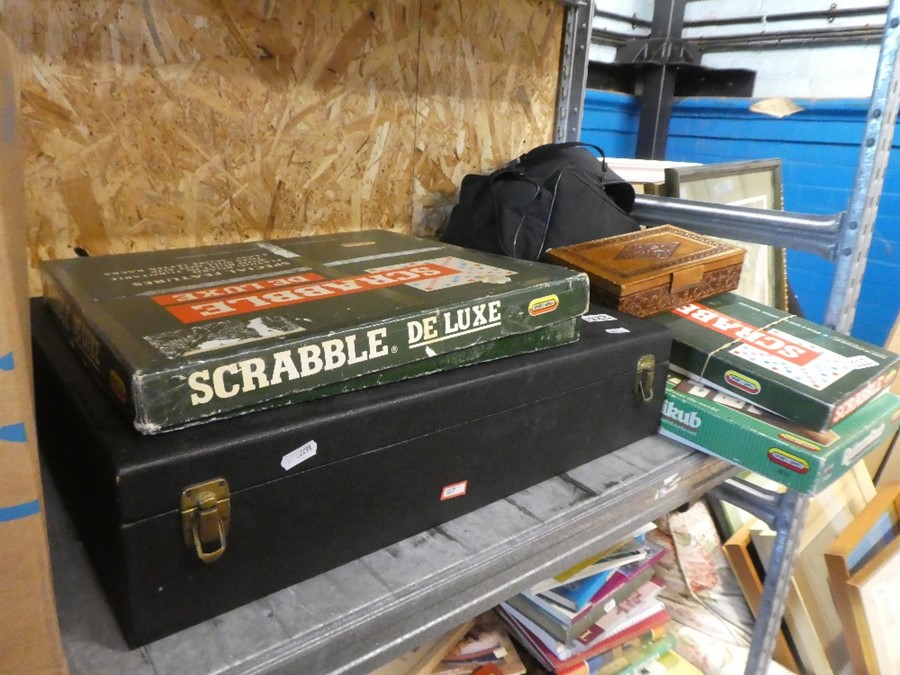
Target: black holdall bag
554	195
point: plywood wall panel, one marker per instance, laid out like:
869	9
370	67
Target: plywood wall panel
165	123
487	84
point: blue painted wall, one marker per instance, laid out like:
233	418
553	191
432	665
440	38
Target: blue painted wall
818	147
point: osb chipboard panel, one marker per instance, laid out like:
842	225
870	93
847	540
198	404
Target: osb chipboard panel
487	93
166	123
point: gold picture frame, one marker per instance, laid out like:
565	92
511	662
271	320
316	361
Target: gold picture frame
747	568
884	461
864	572
810	611
811	618
754	184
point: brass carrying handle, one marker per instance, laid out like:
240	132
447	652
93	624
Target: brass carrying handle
212	556
643	383
645	386
205	518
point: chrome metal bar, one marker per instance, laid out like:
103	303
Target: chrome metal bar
798	231
862	207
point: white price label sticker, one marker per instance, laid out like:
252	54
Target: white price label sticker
301	454
597	318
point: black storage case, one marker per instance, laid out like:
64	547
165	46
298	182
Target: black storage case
382	460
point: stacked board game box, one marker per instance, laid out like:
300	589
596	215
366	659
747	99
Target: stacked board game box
772	446
779	362
184	336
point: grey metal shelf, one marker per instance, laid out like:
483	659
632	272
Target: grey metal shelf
842	238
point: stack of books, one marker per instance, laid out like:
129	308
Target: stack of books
603	616
786	398
479	645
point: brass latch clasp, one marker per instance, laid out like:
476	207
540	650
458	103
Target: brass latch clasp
643	384
205	518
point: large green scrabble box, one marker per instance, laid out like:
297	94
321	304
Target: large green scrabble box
801	459
795	368
184	336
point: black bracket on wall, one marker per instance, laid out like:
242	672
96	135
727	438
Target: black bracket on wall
659	55
658	52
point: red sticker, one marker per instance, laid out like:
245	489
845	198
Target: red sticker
454	490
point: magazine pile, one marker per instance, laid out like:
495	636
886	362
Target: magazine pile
602	616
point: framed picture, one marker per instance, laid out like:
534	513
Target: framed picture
811	616
810	610
874	592
647	176
864	572
884	461
744	561
754	184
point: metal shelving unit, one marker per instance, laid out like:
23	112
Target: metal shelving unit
842	238
573	70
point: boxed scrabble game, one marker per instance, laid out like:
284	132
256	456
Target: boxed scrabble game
801	459
183	336
654	270
790	366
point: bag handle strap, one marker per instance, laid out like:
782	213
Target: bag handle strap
550	213
580	144
508	173
569	144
